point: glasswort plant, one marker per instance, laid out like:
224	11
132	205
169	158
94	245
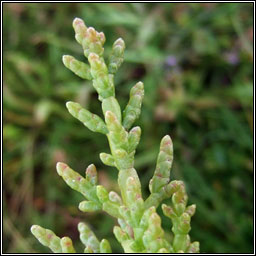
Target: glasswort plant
139	229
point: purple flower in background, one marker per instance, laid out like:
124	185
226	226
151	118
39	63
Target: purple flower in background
232	58
171	61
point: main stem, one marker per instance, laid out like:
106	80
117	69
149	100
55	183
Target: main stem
123	175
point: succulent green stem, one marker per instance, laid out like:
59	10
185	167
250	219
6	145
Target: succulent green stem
139	229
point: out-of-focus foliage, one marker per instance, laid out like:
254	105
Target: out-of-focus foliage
195	60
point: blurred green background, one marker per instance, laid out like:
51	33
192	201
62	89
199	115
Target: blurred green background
196	61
